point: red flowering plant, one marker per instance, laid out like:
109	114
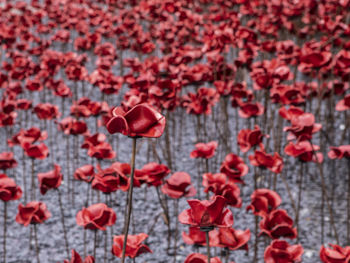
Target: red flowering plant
281	250
334	253
76	258
234	168
96	216
264	160
200	258
134	246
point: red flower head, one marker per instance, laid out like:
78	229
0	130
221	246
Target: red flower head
234	167
262	159
278	224
28	136
282	251
233	239
7	161
201	102
77	259
141	120
85	173
343	104
304	151
50	179
200	258
39	151
179	185
264	201
303	126
96	216
72	126
314	59
197	237
134	247
110	180
33	213
46	111
335	254
249	109
204	150
152	174
246	139
339	152
207	213
97	147
8	189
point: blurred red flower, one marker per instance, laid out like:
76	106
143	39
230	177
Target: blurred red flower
9	190
7	161
233	239
246	138
152	174
282	251
134	246
263	201
339	152
77	259
178	185
96	216
200	258
204	150
32	213
234	167
335	254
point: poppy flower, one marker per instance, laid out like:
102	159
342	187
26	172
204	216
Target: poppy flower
85	173
339	152
109	180
304	150
197	237
46	111
207	213
278	224
272	162
97	147
140	121
233	239
28	136
249	109
76	258
335	254
32	213
96	216
247	139
343	104
152	174
134	246
72	126
50	180
204	150
34	151
314	60
263	201
234	167
178	185
303	126
200	102
7	161
280	250
200	258
9	190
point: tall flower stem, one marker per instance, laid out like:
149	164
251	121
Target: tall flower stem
63	223
348	207
5	229
129	204
176	205
208	246
36	243
95	242
32	194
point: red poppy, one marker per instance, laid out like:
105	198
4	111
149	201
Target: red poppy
32	213
290	113
197	237
85	173
335	254
200	258
39	151
109	180
28	136
9	190
50	180
233	239
343	104
46	111
152	174
204	150
278	224
314	60
263	201
179	185
303	126
262	159
134	246
282	251
97	147
250	109
96	216
77	259
247	139
339	152
234	167
200	102
207	213
304	150
141	120
7	161
72	126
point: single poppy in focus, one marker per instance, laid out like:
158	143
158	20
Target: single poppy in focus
50	180
234	167
152	174
204	150
9	190
179	185
263	201
272	162
96	216
282	251
141	121
247	139
134	246
32	213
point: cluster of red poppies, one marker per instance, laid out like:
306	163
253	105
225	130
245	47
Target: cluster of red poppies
233	74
